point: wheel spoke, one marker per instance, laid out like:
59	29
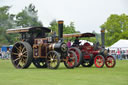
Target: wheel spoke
20	47
16	59
18	63
24	52
14	53
24	56
21	63
54	56
17	48
23	49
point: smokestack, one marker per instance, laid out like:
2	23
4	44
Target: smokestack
60	29
103	38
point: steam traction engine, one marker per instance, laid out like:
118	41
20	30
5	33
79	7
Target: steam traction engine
35	46
87	54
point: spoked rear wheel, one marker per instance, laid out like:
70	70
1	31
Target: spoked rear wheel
53	60
71	60
110	61
99	61
78	54
40	63
87	62
21	55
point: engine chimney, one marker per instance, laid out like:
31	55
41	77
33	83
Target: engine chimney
103	38
60	29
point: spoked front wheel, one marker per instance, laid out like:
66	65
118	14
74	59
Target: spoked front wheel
40	63
110	61
71	60
99	61
21	55
53	60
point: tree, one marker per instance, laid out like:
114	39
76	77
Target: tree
116	28
67	29
28	17
6	22
54	26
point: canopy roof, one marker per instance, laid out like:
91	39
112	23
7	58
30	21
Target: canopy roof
28	29
79	35
120	44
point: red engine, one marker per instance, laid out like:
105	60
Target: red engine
88	51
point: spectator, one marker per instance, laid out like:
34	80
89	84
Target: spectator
118	54
0	55
69	43
121	54
113	53
8	54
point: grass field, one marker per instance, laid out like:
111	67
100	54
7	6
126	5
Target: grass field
62	76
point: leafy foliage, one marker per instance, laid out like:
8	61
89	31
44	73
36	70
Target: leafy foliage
28	17
67	29
6	22
116	28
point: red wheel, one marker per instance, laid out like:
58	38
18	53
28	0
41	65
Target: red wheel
78	54
99	61
110	61
71	60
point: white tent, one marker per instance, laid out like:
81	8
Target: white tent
121	45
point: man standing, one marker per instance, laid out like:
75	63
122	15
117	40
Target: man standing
118	54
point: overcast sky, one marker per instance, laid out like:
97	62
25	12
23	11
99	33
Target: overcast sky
87	15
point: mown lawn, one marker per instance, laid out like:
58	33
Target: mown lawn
62	76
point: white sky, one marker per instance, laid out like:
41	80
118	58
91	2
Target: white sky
87	15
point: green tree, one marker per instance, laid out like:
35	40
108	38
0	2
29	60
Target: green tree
67	29
54	26
28	17
6	22
116	28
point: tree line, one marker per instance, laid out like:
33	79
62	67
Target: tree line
116	26
26	18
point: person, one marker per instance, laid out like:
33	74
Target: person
0	55
8	54
76	42
69	43
118	54
121	54
3	55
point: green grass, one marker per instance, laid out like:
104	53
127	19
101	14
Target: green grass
62	76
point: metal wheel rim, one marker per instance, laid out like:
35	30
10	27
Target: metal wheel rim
52	59
99	61
110	61
77	53
70	60
19	55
